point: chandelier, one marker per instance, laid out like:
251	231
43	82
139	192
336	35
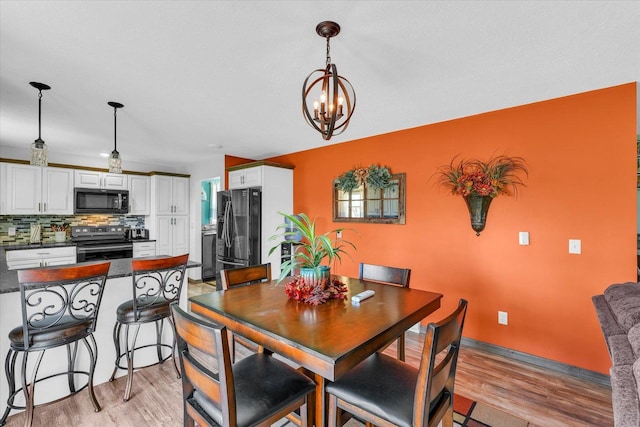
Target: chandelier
330	112
115	161
39	148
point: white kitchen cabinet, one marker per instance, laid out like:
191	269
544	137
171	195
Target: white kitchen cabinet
139	195
170	195
245	178
172	235
144	249
95	179
276	182
38	190
169	220
42	257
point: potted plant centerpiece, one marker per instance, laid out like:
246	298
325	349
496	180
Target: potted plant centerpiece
310	260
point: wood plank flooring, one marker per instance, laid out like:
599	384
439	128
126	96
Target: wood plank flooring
543	397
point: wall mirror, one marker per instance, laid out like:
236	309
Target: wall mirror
373	205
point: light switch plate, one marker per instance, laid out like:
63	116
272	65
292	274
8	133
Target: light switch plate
523	238
575	246
12	231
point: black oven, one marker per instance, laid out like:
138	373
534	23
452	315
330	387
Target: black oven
98	243
103	251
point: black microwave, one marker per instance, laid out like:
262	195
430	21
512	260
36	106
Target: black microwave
100	201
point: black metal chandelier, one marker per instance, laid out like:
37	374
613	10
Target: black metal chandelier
331	112
115	161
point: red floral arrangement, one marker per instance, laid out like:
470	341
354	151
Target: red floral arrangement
315	292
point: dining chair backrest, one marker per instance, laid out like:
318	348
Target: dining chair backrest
245	275
157	281
393	276
257	391
64	300
436	375
384	274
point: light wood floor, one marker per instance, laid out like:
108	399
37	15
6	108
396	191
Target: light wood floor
542	397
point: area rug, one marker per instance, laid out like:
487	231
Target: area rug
468	413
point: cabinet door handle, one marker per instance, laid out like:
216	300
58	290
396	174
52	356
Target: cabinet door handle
39	207
45	206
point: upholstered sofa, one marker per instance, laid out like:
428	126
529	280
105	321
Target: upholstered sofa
618	310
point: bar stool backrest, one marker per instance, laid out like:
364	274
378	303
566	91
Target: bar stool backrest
61	301
157	281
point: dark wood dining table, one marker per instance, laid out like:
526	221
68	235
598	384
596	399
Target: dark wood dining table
328	339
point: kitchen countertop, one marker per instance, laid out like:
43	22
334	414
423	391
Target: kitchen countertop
9	278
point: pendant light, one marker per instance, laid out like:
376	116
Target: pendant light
39	148
337	99
115	161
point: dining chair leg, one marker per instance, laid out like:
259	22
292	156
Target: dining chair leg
130	348
92	349
116	343
333	412
400	344
447	419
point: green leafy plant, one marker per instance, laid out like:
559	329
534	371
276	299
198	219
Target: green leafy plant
311	249
376	177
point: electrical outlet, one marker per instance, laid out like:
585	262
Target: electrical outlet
575	246
339	234
12	231
503	318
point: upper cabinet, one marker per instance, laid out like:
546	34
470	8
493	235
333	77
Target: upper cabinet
30	190
95	179
139	195
245	178
170	195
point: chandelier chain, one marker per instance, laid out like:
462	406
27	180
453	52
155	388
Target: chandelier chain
328	52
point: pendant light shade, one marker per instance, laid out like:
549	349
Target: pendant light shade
39	155
115	161
329	95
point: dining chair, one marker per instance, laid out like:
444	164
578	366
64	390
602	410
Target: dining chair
59	308
242	277
385	391
389	276
157	282
257	390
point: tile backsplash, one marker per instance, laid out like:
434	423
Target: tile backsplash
22	224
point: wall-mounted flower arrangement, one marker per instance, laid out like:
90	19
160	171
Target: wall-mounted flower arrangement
479	182
374	176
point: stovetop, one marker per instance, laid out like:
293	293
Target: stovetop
115	233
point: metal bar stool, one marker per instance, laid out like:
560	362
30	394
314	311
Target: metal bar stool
156	283
59	308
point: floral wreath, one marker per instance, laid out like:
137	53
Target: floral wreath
374	176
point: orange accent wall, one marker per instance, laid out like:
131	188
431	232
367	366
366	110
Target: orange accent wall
581	154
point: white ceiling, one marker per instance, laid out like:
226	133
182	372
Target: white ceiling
193	74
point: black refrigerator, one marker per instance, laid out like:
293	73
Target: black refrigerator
238	227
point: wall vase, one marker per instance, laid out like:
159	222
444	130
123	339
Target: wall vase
478	207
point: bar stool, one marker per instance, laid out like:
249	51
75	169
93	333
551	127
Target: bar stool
59	308
156	283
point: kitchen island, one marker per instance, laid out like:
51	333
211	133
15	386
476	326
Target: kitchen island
117	290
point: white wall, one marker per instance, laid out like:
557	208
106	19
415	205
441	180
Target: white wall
207	169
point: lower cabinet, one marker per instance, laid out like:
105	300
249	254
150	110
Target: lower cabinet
144	249
172	235
43	257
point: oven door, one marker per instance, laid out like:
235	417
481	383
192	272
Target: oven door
103	251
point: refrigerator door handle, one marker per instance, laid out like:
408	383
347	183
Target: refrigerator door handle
241	264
